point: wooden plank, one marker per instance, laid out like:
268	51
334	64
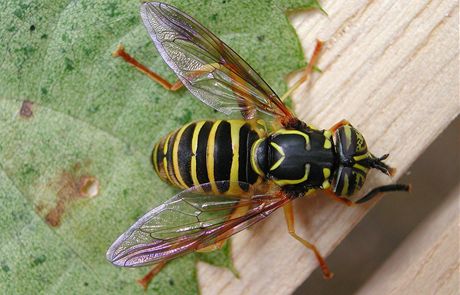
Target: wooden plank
389	67
428	262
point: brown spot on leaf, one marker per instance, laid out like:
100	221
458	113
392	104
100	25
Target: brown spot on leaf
70	186
39	208
53	218
26	109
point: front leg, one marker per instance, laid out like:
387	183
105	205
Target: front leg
370	195
338	125
307	72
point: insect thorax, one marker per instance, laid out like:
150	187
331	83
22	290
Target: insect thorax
297	160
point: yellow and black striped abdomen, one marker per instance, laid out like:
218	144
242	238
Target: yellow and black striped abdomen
216	152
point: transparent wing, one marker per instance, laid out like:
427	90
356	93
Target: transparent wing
210	69
187	222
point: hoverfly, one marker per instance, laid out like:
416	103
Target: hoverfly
234	172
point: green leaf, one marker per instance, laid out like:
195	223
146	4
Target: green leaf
71	116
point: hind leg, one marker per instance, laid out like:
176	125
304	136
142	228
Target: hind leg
145	280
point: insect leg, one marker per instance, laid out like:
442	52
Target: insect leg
308	70
333	196
338	125
120	52
145	280
212	247
289	216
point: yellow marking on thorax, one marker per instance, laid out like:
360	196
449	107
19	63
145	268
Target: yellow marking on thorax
210	155
307	138
327	141
165	161
282	182
326	173
283	156
193	167
347	129
175	156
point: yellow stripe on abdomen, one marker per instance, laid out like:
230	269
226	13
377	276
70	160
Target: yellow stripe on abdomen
235	135
193	168
210	156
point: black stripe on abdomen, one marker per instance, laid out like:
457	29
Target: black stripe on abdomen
223	153
185	154
202	173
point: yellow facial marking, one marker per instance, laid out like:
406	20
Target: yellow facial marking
360	167
347	135
327	143
361	157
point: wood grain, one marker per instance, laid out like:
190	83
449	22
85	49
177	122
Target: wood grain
428	261
390	68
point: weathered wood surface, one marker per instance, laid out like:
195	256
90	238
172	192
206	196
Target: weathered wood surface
428	260
389	67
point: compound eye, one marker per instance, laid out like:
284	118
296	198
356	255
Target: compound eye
361	146
348	181
350	141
